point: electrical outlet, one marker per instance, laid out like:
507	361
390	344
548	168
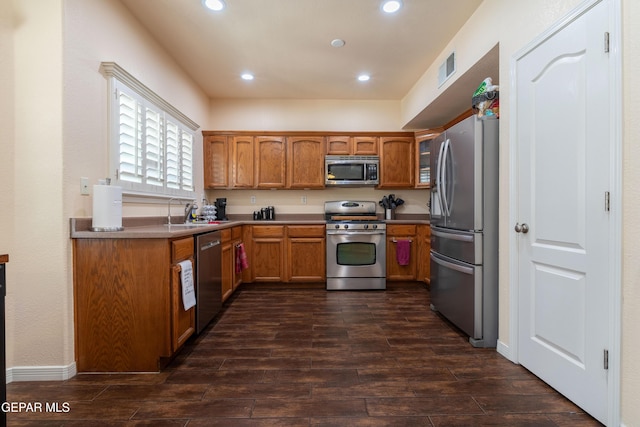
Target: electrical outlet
253	200
84	186
303	200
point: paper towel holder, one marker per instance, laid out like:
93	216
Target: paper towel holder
107	207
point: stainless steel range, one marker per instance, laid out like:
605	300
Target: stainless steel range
356	246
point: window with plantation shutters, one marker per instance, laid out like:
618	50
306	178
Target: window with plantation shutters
151	142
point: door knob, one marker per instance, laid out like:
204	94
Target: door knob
524	228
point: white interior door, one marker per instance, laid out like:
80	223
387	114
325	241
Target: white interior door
563	160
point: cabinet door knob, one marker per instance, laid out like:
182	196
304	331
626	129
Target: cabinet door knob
524	228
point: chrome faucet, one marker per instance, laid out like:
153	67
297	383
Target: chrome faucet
188	208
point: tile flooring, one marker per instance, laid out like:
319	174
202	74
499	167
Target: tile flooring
287	355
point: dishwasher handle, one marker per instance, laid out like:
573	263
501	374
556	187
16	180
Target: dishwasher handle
209	245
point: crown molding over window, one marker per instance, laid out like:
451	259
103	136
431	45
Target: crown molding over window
111	69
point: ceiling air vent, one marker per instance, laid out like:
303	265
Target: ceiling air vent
447	69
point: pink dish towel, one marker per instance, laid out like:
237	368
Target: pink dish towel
241	258
403	251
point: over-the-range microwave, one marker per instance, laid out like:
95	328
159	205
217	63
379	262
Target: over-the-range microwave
351	171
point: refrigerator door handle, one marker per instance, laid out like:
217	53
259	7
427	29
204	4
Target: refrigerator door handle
452	236
452	266
439	177
443	194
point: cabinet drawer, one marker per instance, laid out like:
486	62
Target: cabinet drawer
268	230
236	233
306	230
401	230
181	249
225	235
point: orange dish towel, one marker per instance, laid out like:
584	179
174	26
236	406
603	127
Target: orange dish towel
241	258
403	251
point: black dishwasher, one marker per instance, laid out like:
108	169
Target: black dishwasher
208	278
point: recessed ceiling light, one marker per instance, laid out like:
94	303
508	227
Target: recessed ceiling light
337	42
364	77
246	76
391	6
215	5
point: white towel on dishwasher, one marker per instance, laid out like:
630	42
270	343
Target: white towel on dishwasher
186	277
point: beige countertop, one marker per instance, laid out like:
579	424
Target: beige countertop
156	227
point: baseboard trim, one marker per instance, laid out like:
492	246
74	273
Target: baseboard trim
41	373
505	351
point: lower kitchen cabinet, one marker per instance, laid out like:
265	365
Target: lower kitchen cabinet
128	308
306	253
267	253
183	322
424	250
231	278
395	233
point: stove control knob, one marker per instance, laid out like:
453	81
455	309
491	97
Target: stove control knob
346	226
366	226
375	226
337	226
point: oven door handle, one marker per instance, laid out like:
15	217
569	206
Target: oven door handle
354	233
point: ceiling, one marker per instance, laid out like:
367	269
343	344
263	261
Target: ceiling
286	44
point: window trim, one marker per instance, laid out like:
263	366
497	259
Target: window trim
118	77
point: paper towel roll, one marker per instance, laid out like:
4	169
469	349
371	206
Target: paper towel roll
107	208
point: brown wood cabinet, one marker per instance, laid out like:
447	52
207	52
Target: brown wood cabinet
270	161
306	253
305	161
241	164
128	311
424	250
267	253
228	263
396	232
215	154
183	322
352	145
396	162
231	278
294	160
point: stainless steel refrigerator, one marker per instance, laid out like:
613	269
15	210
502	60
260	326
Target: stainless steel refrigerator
464	228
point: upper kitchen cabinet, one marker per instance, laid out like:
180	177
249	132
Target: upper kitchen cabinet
365	145
397	162
305	166
270	161
242	165
215	153
423	157
352	145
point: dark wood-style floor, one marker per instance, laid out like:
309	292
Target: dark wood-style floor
282	355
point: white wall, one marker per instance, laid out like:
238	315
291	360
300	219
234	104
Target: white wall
56	133
631	216
305	114
39	316
290	201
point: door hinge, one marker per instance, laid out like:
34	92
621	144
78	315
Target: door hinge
607	201
606	359
606	42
